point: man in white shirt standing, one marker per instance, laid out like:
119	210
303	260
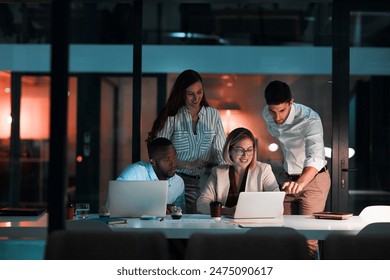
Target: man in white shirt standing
298	128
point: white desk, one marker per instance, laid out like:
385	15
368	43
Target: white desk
310	227
36	227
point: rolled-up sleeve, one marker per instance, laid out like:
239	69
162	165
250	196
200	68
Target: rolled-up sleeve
314	145
219	140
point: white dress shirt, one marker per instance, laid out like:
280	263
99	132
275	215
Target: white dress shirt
301	138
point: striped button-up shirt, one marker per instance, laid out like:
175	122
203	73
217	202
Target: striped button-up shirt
208	140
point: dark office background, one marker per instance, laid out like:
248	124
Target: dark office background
105	131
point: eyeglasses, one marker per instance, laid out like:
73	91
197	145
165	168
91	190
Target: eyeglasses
241	152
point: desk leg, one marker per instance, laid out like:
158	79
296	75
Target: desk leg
177	248
321	249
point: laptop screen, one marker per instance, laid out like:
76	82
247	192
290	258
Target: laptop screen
132	199
259	205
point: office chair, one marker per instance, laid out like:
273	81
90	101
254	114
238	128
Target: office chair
376	213
268	243
375	229
372	242
106	245
359	247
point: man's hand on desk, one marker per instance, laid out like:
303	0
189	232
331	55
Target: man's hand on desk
292	187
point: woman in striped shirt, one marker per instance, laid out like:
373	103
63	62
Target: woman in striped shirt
194	128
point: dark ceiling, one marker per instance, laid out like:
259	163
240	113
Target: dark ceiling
214	23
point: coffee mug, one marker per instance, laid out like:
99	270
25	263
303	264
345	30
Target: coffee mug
215	209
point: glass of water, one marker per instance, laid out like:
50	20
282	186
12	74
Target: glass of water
82	210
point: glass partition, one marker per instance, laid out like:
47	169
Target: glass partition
369	117
5	134
286	40
237	23
176	23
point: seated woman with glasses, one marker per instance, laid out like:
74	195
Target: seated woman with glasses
242	173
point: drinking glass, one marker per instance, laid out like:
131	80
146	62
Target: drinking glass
82	210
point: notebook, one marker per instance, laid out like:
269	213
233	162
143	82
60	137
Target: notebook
332	215
133	199
259	205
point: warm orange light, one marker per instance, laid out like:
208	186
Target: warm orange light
34	118
5	124
5	224
79	158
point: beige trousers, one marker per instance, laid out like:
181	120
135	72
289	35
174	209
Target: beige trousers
310	200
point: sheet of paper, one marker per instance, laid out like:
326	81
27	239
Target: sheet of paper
258	222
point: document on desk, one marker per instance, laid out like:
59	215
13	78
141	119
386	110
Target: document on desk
190	221
111	221
249	223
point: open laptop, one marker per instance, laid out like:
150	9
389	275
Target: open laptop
259	205
133	199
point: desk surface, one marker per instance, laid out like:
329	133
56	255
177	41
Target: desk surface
311	228
307	225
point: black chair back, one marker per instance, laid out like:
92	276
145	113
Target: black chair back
268	243
359	247
375	228
106	245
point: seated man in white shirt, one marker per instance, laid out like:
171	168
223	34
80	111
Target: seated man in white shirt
161	166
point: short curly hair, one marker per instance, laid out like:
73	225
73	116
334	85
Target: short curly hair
156	145
277	92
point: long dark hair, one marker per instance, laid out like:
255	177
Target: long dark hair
176	100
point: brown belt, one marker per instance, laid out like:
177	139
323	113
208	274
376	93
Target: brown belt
323	169
294	177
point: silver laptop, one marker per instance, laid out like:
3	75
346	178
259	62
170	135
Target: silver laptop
133	199
259	205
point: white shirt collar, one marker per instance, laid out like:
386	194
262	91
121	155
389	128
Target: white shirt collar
291	116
